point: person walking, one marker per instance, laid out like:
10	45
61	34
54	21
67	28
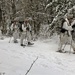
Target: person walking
65	36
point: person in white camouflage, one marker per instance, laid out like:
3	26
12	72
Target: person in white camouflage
65	36
26	33
15	30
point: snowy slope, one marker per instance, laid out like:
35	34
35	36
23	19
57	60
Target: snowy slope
15	60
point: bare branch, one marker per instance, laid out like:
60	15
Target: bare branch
31	66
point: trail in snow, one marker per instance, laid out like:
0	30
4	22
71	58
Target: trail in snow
16	60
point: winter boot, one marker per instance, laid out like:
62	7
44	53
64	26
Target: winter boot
23	45
29	43
74	52
15	41
60	51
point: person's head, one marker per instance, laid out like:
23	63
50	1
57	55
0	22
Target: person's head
70	17
17	22
26	21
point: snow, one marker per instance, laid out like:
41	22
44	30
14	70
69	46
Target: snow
48	5
16	60
73	7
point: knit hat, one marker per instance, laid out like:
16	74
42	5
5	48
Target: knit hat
69	16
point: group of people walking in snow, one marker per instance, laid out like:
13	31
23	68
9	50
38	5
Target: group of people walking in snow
20	30
23	30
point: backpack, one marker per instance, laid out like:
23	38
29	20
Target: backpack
73	32
62	30
73	26
20	26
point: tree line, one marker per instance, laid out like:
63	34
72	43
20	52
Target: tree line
45	14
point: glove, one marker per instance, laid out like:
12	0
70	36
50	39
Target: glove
72	31
27	28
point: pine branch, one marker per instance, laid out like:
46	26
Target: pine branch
31	66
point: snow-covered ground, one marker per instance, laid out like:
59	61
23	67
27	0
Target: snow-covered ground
16	60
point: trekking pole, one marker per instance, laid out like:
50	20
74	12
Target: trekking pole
70	47
64	46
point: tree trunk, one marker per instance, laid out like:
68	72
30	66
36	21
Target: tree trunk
0	15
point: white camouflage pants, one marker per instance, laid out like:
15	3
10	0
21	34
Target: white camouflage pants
28	36
15	35
25	35
65	39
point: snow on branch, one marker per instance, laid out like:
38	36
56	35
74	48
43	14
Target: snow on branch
55	18
48	5
31	66
74	7
45	14
57	7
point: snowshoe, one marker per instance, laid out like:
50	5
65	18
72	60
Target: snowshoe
2	38
60	51
29	43
23	45
15	41
73	52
